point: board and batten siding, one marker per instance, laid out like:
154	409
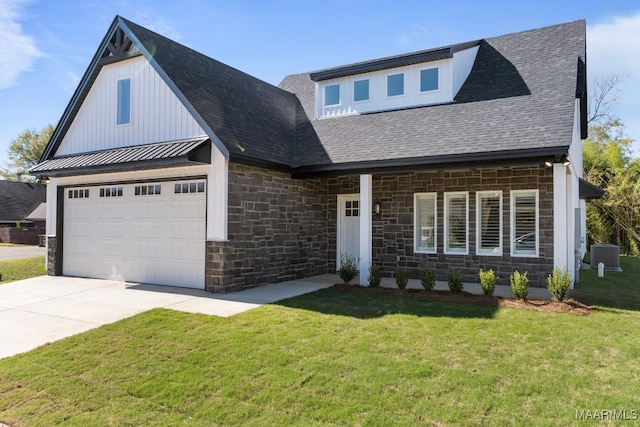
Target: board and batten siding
157	114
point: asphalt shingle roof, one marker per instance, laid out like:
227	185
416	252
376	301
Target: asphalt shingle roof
19	199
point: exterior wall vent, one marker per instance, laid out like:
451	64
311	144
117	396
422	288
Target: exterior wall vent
609	255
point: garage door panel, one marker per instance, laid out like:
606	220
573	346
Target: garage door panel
151	238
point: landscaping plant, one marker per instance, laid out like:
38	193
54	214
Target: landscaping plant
519	284
402	277
348	268
454	280
428	279
487	281
559	283
374	275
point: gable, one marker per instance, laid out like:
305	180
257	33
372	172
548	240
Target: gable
156	113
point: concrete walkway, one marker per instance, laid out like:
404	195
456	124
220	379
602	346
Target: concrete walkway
43	309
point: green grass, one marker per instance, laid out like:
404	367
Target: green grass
340	358
18	269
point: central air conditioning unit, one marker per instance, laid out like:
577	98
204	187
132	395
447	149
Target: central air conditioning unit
609	255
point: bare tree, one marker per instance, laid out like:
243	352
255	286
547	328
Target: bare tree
603	98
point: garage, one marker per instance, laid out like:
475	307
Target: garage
144	232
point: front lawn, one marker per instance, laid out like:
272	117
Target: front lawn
18	269
341	358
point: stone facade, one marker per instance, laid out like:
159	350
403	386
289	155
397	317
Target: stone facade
277	231
392	230
52	265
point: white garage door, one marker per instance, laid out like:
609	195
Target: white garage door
152	232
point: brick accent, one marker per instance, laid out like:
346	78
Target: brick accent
392	231
277	231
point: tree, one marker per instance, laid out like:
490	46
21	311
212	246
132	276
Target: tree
24	153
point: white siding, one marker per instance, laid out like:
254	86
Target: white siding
156	113
451	75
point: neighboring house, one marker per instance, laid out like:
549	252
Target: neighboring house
19	220
170	167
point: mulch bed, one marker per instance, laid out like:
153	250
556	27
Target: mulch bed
570	306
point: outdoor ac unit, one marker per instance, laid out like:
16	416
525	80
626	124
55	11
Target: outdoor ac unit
609	255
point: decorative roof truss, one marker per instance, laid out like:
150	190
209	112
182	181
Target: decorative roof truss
118	48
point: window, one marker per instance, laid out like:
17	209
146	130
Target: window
524	223
456	223
124	101
395	85
352	208
361	90
111	192
331	95
79	194
189	187
489	222
147	190
428	80
424	210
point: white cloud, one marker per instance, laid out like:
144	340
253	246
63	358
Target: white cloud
161	26
19	50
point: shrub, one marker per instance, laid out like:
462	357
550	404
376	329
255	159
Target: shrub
519	284
454	279
428	279
402	277
348	268
559	283
374	275
487	281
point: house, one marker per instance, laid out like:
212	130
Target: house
19	218
169	167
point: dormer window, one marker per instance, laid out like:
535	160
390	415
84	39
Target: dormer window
429	80
124	102
361	90
395	85
332	95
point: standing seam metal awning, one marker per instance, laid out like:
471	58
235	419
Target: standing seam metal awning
148	156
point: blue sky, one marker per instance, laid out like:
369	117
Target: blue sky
47	45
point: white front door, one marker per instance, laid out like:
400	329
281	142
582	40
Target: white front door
348	226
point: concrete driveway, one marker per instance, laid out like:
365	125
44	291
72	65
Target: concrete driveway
43	309
21	251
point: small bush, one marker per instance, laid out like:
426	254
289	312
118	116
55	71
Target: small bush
487	281
519	284
454	280
559	283
402	277
428	279
374	275
348	268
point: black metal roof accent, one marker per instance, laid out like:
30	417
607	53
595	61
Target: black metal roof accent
588	191
390	62
172	153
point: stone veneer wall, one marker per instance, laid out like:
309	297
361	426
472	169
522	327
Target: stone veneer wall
393	229
51	257
277	231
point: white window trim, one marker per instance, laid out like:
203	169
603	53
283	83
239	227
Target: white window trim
324	95
424	92
512	236
130	101
446	222
500	248
435	224
404	85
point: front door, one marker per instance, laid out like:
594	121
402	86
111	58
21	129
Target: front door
348	226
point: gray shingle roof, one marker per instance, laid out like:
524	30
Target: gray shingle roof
19	199
520	96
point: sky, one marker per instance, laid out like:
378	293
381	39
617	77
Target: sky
46	46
